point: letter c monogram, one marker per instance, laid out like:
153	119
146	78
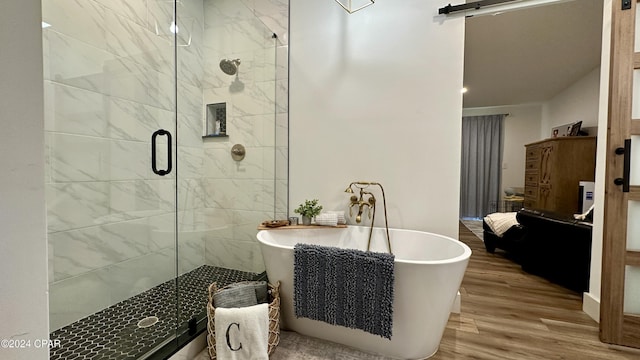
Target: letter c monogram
229	340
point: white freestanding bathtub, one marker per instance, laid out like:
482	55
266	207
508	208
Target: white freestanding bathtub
428	272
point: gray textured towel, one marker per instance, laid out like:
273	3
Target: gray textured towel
346	287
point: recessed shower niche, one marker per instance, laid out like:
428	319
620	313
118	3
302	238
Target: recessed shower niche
216	120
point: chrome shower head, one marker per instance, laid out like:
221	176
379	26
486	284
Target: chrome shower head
229	67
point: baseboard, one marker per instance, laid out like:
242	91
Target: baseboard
591	306
456	304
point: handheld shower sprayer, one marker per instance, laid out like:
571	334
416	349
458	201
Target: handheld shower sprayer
370	203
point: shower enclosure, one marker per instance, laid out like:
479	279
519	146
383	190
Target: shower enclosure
145	205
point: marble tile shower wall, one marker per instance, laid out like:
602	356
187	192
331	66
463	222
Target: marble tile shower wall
256	117
109	84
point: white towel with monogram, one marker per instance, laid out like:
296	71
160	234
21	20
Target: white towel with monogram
242	333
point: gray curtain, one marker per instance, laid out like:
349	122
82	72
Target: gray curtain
481	165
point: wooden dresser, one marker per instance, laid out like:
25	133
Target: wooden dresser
553	170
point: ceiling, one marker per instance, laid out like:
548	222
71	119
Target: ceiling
530	55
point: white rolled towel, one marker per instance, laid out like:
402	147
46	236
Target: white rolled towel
341	218
327	219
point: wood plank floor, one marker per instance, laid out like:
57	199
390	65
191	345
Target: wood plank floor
509	314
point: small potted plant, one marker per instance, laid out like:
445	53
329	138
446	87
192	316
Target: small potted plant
308	210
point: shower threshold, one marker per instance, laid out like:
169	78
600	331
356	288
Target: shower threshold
133	328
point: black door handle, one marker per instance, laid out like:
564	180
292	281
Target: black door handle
160	132
626	170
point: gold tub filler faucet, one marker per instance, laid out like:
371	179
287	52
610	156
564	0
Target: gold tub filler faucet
368	204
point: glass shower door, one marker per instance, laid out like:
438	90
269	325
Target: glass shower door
146	206
110	113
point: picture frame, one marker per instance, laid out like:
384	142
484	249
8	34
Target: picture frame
575	128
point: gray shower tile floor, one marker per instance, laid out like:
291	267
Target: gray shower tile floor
299	347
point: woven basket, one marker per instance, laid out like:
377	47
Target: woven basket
274	319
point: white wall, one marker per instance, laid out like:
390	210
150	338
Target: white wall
376	96
591	300
578	102
23	246
521	127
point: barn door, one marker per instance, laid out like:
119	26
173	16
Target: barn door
620	300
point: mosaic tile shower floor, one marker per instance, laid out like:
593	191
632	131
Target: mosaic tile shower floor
113	333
